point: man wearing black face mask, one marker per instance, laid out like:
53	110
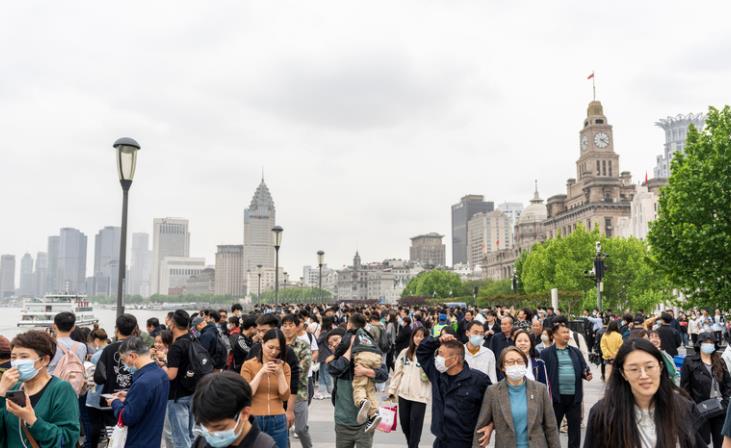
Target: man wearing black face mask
222	408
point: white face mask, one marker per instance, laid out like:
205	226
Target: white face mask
516	372
545	339
440	364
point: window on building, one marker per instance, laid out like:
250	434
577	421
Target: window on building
604	167
598	168
599	121
608	227
610	168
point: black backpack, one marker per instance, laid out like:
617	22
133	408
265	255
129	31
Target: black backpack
383	341
200	364
220	354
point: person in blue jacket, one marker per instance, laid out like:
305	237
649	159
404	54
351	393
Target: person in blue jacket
143	406
457	390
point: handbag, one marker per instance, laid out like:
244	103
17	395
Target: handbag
713	407
30	438
388	417
119	434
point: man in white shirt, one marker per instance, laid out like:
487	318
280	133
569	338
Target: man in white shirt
309	338
476	355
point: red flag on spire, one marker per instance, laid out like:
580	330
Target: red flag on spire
590	76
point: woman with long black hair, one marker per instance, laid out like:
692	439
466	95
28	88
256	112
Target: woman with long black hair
704	376
642	407
412	387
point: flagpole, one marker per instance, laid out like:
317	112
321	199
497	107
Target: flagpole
593	83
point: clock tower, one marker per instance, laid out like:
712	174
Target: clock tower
596	143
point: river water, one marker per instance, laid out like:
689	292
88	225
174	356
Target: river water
9	318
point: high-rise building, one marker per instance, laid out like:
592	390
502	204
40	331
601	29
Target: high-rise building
513	210
141	267
170	238
229	270
106	261
51	278
487	233
676	132
7	276
428	250
175	272
40	276
26	288
462	212
259	219
71	271
601	193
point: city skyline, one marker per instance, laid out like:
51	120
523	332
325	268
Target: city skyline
366	138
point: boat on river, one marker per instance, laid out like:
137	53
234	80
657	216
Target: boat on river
39	312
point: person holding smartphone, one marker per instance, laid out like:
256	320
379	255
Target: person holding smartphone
35	407
269	376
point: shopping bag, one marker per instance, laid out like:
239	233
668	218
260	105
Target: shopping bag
119	434
388	417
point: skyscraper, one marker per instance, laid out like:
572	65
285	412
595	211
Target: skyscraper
259	219
461	213
676	132
26	276
229	270
170	238
52	283
40	276
141	267
106	261
71	270
7	276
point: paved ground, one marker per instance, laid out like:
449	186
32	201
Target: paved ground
323	434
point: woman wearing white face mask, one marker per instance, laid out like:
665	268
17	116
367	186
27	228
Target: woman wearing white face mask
45	416
517	409
704	376
222	408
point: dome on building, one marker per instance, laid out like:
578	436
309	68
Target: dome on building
535	212
595	108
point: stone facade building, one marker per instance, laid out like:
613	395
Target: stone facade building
428	250
230	270
259	218
600	194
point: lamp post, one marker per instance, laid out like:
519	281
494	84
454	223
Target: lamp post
277	231
126	161
320	262
258	291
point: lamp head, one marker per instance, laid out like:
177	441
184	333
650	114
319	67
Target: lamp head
126	157
277	231
320	257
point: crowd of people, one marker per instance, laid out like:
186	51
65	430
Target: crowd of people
235	378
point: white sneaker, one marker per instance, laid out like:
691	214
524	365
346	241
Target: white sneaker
363	409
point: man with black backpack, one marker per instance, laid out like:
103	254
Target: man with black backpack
187	363
210	339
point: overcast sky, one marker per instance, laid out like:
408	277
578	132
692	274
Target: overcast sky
369	118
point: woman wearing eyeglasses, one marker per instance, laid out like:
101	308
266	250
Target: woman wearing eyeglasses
517	409
642	408
704	376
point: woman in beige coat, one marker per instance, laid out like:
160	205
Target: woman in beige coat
517	409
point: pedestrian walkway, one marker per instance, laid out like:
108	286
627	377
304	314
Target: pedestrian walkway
323	433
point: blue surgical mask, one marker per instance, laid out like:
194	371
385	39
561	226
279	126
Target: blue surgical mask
26	368
476	340
220	439
708	348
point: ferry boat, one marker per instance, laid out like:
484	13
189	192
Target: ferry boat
40	312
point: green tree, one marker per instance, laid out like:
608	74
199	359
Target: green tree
435	283
691	238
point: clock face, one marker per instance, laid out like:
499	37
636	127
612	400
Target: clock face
601	140
584	142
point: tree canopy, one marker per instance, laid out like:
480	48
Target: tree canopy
691	238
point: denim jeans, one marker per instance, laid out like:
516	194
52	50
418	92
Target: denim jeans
181	421
276	427
326	381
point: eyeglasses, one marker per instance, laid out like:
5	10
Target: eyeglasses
513	362
636	371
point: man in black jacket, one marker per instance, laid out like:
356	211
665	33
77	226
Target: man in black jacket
502	339
267	322
670	338
457	391
566	369
112	374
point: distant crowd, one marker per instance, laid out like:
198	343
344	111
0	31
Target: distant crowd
230	378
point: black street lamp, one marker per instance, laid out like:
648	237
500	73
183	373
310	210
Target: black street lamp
126	162
277	231
320	262
258	292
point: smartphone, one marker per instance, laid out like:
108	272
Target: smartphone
109	396
17	397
